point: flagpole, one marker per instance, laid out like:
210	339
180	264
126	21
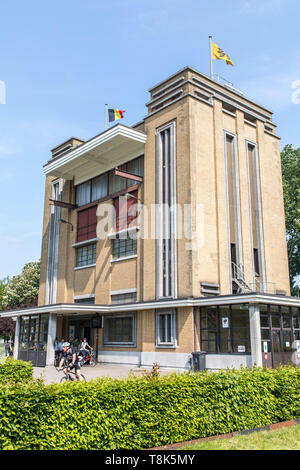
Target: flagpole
211	58
106	116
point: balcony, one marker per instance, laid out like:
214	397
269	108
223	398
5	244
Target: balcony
104	152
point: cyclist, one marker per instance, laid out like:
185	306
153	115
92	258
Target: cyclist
72	359
84	347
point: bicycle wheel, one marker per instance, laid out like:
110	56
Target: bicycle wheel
64	379
92	361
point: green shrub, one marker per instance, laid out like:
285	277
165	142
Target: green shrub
13	371
137	413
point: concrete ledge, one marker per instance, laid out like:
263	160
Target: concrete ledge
169	360
224	361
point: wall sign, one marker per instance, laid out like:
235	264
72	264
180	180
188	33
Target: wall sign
225	322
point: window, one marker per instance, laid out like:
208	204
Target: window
225	329
99	187
83	193
119	330
108	183
233	202
166	231
209	326
85	300
126	211
86	255
255	218
166	329
123	247
87	224
125	298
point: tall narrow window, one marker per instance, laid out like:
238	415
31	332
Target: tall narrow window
166	213
255	221
53	245
233	207
166	329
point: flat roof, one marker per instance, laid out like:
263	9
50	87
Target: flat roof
110	148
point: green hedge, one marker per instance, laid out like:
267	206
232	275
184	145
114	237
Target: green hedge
13	371
137	413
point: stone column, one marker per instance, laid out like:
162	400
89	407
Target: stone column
255	335
50	357
17	334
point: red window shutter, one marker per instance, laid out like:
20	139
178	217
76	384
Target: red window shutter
87	224
123	219
133	212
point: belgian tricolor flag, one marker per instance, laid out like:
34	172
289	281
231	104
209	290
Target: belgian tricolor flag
115	114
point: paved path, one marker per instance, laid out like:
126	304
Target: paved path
50	374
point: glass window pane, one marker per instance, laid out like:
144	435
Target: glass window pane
297	335
287	341
86	255
265	333
275	316
24	334
83	193
33	333
208	346
286	317
99	187
295	314
264	321
225	346
209	318
118	329
43	333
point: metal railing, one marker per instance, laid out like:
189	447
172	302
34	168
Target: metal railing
248	283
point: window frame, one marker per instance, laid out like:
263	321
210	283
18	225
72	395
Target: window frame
126	344
108	175
232	337
82	247
172	329
127	254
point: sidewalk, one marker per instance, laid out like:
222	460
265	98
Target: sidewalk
50	374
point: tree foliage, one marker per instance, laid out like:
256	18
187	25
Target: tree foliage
3	285
22	290
290	160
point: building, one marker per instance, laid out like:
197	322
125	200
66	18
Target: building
168	238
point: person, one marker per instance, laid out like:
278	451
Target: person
71	358
84	347
76	345
6	348
11	349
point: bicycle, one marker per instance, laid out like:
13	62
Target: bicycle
88	359
67	377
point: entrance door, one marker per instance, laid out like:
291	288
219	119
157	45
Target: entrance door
280	328
277	348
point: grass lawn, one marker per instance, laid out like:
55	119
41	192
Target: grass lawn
280	439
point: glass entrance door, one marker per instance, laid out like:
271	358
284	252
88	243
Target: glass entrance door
280	328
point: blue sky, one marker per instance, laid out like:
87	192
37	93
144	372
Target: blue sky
62	61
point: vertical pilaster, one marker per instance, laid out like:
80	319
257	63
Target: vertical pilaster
17	335
51	339
255	335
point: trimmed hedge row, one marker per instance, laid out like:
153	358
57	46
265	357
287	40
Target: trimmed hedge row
137	413
13	371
